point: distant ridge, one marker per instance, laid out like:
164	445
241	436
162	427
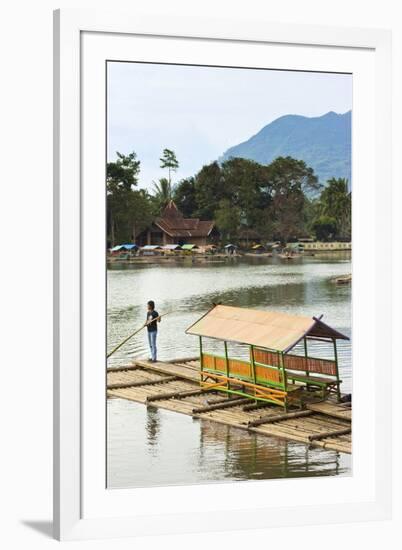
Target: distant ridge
323	142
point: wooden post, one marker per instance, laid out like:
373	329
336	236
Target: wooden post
282	364
252	363
306	355
201	361
282	367
338	389
227	362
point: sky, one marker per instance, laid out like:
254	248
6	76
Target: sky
199	112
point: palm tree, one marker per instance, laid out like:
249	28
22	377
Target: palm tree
336	201
163	191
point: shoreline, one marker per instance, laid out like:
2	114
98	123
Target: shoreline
220	258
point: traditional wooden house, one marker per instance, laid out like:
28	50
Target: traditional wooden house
173	228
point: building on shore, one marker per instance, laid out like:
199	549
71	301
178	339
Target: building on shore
324	246
171	227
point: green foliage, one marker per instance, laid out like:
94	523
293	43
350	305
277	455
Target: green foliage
270	198
276	200
246	183
289	181
240	181
336	201
210	188
311	213
129	210
324	228
184	197
228	218
162	193
169	161
123	172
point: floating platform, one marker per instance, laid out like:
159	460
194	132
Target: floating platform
175	386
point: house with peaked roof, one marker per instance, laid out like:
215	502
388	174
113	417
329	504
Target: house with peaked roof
171	227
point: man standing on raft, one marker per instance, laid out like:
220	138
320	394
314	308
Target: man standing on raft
152	327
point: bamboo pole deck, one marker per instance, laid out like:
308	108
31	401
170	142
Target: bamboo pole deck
174	386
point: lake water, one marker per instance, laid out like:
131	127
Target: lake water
153	447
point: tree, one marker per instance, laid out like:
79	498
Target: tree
121	177
268	198
163	192
324	228
140	213
336	202
116	205
288	182
209	189
244	182
228	220
312	209
185	198
124	171
241	181
275	200
170	162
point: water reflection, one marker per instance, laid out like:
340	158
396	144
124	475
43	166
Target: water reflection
185	451
152	427
251	456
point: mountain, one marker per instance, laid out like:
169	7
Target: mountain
324	143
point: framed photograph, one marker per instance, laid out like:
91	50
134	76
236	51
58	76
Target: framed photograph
222	275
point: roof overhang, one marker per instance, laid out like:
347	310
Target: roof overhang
273	330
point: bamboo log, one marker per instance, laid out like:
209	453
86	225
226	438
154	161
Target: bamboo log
186	366
141	383
320	429
334	433
334	447
278	417
183	372
123	368
314	422
217	400
183	360
175	395
255	406
224	405
328	409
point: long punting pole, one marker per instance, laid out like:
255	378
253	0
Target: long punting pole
134	333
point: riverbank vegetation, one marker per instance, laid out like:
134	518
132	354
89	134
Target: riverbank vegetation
278	201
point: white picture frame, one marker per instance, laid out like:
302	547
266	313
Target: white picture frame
83	507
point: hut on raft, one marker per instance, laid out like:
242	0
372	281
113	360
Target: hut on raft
272	373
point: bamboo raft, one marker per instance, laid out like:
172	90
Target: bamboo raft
175	386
